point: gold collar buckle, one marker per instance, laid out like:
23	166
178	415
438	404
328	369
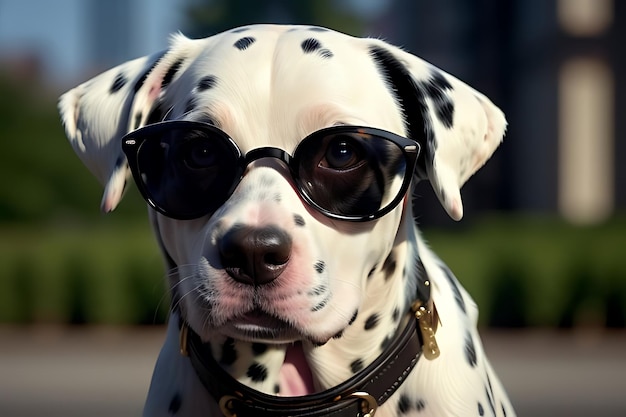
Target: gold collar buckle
428	320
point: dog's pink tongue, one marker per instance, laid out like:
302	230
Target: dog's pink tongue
295	374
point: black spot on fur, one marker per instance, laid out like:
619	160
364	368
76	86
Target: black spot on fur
191	105
239	30
310	45
298	220
175	403
445	112
141	81
319	305
319	290
411	100
119	82
137	121
229	353
206	83
423	282
353	318
404	404
437	86
372	271
470	351
372	321
436	89
490	392
325	53
490	399
455	289
257	372
259	348
389	266
244	43
481	410
356	365
420	405
120	161
396	314
171	72
386	341
156	114
319	266
338	335
276	389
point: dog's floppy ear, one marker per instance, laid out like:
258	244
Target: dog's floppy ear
95	116
458	128
99	112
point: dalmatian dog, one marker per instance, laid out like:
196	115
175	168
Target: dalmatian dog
278	163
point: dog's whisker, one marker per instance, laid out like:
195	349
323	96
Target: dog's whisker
182	297
350	283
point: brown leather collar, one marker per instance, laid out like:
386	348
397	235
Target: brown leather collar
358	396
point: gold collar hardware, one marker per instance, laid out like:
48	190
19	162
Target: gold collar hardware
367	403
427	319
227	405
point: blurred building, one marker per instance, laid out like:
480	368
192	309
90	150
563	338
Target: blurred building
557	69
111	34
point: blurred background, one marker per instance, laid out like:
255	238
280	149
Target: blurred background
542	246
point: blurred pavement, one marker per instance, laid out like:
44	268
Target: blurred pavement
97	372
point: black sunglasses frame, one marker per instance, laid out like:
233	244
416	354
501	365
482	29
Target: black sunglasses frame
133	141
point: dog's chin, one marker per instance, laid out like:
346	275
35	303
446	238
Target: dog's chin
260	327
257	326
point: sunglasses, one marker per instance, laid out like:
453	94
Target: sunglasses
187	170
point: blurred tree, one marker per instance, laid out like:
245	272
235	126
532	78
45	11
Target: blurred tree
510	299
41	179
207	17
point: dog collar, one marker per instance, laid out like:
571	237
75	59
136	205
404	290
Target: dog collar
359	396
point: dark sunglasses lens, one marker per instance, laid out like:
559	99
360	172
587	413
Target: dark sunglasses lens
351	174
187	172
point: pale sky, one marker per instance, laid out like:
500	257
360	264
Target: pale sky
56	31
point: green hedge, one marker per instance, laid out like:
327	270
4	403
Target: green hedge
521	272
540	271
100	275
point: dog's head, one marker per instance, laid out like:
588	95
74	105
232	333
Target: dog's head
274	235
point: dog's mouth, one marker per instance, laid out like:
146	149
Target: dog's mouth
259	326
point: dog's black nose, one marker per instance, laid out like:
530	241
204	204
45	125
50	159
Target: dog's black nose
255	256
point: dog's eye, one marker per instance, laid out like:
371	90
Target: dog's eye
199	154
342	153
